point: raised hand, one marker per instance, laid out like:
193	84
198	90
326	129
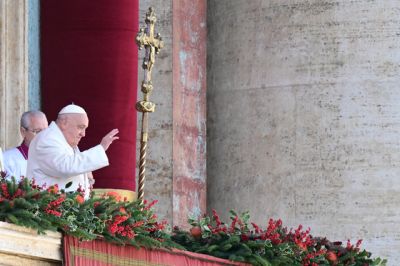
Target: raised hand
109	138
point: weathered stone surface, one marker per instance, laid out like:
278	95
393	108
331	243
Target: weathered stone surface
13	69
303	115
189	110
23	246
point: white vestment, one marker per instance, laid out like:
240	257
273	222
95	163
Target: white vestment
53	161
14	163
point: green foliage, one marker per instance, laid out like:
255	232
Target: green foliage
274	246
134	223
27	204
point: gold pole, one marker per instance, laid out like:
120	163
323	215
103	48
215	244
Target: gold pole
152	44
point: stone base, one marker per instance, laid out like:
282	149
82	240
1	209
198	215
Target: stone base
23	246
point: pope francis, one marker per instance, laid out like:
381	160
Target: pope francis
54	157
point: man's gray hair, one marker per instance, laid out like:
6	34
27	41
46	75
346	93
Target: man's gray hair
25	118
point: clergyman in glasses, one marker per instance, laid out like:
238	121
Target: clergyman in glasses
15	159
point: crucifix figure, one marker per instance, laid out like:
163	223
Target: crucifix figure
152	44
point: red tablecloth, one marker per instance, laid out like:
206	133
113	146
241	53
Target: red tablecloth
101	253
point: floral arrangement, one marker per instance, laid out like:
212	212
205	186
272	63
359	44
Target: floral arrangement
116	220
275	245
109	217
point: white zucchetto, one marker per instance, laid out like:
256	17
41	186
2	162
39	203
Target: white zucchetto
72	109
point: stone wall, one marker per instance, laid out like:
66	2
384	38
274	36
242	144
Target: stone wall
304	116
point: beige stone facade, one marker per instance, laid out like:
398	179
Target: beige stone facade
13	69
23	246
304	116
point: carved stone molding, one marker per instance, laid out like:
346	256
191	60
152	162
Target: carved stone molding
20	245
13	69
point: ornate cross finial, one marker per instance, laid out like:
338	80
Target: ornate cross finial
146	39
152	44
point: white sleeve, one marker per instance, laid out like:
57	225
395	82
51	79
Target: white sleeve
9	165
53	160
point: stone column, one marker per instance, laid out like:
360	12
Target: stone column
304	116
176	158
189	109
13	69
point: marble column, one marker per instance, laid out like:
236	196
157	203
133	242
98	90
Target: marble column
13	69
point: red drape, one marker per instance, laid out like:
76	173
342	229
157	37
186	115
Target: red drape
89	57
101	253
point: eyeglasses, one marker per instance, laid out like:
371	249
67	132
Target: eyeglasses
33	131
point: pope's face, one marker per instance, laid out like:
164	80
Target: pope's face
74	128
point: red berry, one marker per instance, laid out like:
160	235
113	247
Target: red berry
79	199
331	256
195	231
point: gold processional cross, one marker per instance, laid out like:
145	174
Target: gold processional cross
152	44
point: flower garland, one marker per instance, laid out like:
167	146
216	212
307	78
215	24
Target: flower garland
275	245
119	221
27	204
